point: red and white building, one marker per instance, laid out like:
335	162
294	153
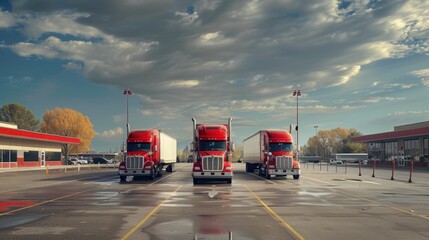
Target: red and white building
22	148
405	143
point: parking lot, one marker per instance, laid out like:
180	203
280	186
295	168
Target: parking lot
322	204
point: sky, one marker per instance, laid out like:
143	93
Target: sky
360	64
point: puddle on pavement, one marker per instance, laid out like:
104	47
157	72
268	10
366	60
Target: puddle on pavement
13	221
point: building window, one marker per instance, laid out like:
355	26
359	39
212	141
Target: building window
375	151
52	156
8	156
391	151
426	149
31	156
412	150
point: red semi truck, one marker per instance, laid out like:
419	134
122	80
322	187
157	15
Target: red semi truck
212	152
271	152
148	151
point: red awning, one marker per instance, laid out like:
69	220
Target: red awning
392	135
24	134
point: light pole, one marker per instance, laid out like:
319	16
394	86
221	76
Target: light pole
127	92
297	93
315	127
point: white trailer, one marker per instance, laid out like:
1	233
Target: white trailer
252	148
351	157
168	148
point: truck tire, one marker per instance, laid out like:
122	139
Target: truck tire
170	168
295	176
123	178
195	181
267	176
249	167
260	171
152	174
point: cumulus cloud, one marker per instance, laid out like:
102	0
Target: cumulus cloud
6	20
184	83
423	74
224	51
111	133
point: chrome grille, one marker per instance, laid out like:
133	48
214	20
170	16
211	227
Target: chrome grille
283	162
134	162
212	163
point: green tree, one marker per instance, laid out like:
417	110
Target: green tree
337	140
238	153
19	115
185	153
68	122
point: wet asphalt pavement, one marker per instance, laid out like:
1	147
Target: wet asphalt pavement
327	204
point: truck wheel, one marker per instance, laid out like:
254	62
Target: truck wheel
249	168
123	178
152	174
295	176
170	168
159	172
267	176
195	181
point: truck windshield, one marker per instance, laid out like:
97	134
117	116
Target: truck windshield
277	147
138	147
212	145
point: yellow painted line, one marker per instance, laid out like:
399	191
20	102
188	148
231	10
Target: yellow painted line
148	215
163	178
285	224
256	175
372	201
384	205
44	202
319	180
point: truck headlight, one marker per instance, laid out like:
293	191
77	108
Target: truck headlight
197	168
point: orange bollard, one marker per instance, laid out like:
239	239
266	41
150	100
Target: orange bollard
360	168
411	171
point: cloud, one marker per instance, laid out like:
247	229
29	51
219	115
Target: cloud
111	133
380	99
184	83
423	74
59	22
6	20
18	82
218	52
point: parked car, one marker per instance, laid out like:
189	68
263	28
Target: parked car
335	161
100	160
71	161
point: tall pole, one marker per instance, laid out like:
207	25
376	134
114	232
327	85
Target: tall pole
315	126
127	92
297	93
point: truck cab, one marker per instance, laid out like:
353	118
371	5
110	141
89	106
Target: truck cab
145	157
212	149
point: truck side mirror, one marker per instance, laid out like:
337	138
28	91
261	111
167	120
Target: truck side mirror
232	147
